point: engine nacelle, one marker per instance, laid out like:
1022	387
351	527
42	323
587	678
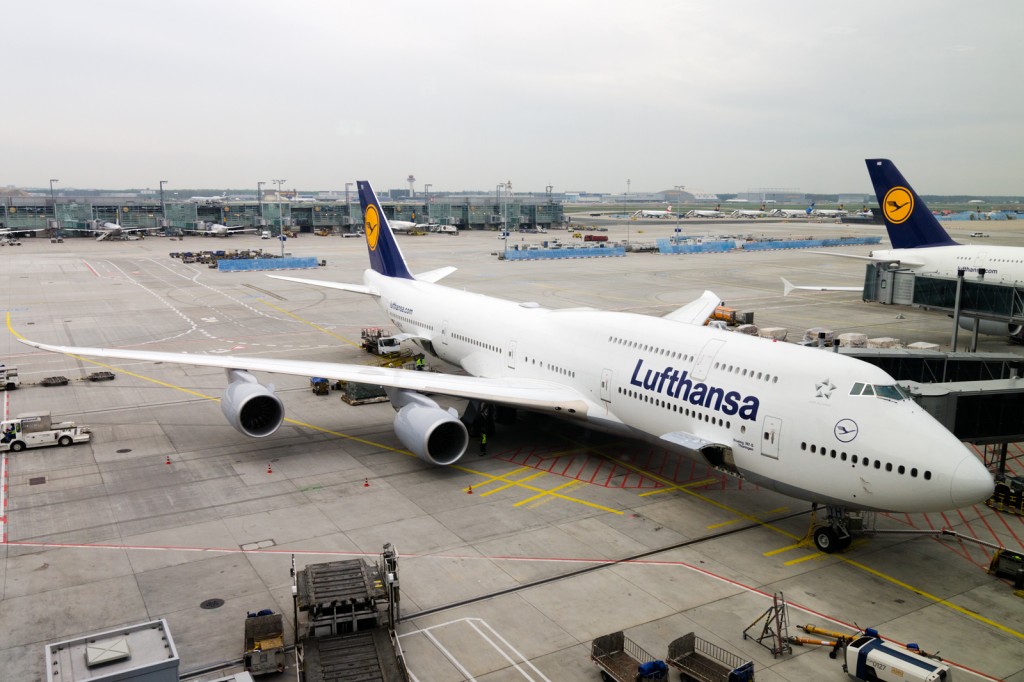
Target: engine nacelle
250	407
430	432
991	327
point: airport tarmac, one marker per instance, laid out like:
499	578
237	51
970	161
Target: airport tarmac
546	543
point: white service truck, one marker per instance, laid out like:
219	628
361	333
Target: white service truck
871	658
37	430
9	378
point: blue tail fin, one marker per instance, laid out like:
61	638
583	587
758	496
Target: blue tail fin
385	256
909	222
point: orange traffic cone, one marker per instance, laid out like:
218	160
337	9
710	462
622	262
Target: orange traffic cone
168	460
269	470
470	490
366	482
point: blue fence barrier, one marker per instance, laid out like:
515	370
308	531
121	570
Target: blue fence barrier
541	254
976	215
809	243
249	264
720	246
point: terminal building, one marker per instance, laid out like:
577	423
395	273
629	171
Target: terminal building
81	213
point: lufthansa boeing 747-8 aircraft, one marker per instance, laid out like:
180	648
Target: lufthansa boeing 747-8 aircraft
814	425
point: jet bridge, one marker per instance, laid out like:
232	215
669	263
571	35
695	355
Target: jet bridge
999	306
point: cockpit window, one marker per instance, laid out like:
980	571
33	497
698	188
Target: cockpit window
892	392
887	391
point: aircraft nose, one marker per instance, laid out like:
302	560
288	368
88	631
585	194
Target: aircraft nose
972	483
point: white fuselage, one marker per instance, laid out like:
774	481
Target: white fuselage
1001	263
785	411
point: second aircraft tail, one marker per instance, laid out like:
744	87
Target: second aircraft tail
385	256
909	222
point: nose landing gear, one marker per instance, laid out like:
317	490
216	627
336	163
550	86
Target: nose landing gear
837	533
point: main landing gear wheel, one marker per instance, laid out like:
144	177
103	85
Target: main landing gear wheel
826	540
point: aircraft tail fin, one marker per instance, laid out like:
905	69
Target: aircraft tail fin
907	219
385	256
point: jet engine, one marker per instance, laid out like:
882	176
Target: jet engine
430	432
250	407
991	327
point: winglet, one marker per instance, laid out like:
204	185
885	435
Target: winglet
907	219
385	256
696	312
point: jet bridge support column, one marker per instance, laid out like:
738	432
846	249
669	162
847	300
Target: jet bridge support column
956	309
977	322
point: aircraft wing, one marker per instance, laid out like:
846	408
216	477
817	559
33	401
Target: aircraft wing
526	393
789	287
909	262
356	288
696	312
435	275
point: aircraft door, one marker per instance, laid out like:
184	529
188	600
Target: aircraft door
771	435
511	354
444	332
606	383
705	358
980	261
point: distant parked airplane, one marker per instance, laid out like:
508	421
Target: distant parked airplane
648	213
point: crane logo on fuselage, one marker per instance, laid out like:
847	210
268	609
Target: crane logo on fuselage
846	430
372	227
672	383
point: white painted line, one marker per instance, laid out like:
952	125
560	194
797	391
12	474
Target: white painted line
477	624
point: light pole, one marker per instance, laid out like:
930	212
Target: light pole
53	201
348	207
497	200
625	211
280	215
679	200
259	196
163	207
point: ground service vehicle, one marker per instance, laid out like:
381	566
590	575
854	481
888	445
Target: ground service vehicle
349	609
623	660
37	430
870	658
264	643
9	378
702	661
375	341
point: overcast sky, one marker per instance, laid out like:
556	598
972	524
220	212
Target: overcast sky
578	94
